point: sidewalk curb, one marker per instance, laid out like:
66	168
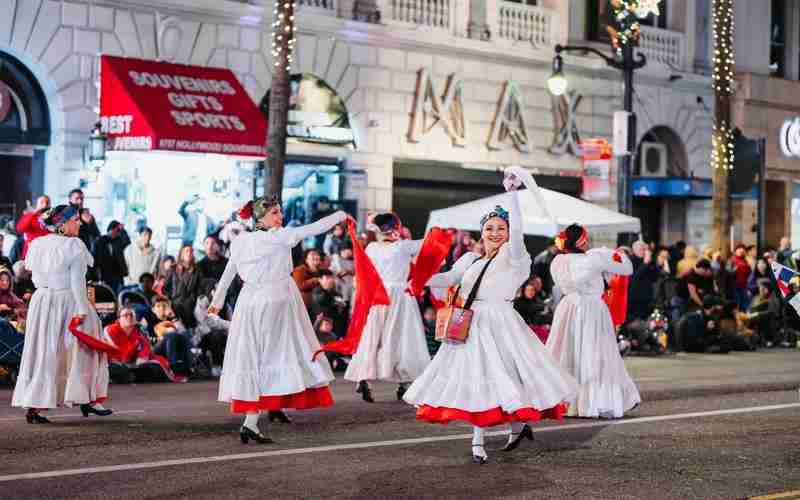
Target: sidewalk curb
718	390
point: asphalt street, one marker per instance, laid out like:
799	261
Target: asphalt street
709	427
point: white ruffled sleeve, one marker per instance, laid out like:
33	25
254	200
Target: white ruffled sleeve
77	283
453	276
609	261
293	236
224	283
518	254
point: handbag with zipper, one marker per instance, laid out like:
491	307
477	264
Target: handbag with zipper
452	321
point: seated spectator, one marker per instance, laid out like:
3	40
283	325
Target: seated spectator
4	261
327	301
534	309
211	332
698	331
531	303
23	284
307	275
135	360
323	327
765	313
213	264
343	266
165	269
429	323
12	307
141	257
334	240
12	340
172	339
697	284
146	287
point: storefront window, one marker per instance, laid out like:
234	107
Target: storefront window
311	189
181	197
777	40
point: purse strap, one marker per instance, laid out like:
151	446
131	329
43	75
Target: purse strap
474	292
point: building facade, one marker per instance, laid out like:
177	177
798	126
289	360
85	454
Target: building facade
439	95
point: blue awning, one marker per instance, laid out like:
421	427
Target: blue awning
675	187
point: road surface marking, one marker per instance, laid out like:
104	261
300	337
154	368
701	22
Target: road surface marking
378	444
71	415
786	495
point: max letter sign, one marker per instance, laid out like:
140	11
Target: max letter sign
790	138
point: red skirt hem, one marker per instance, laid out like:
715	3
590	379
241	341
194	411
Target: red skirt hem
306	400
488	418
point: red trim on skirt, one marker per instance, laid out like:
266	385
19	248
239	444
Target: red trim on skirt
488	418
310	398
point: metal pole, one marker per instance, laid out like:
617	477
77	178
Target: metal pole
762	193
624	199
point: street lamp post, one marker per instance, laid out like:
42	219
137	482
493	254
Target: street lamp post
627	62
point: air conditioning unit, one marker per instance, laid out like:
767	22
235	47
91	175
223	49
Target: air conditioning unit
653	160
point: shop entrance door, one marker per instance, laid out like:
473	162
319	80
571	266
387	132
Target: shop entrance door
15	190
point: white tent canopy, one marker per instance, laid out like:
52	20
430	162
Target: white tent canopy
565	209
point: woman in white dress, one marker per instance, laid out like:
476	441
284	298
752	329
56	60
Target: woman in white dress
503	373
582	338
392	346
56	369
268	362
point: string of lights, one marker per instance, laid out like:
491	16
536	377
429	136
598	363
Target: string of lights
283	33
723	58
722	156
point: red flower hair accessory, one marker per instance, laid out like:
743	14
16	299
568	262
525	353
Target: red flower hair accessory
246	212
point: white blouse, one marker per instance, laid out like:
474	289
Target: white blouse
60	263
393	260
582	274
505	275
264	257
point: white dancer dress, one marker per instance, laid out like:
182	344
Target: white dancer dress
268	357
57	370
503	372
582	337
392	345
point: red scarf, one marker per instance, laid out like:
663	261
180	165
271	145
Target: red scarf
130	346
616	297
369	292
91	342
429	261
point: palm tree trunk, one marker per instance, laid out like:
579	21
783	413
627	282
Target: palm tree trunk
722	142
283	44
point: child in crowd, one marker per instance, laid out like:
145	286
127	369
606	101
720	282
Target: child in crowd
211	332
323	327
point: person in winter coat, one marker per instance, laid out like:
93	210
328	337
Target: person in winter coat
307	275
109	260
89	232
184	287
641	291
